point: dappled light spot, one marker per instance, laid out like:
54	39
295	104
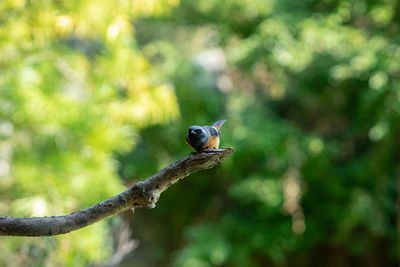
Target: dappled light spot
378	80
6	128
382	14
298	226
212	60
277	91
377	132
39	207
315	146
120	26
64	21
225	83
4	168
292	194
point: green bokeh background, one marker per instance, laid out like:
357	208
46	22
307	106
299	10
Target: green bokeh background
96	95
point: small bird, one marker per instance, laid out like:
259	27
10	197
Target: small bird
204	137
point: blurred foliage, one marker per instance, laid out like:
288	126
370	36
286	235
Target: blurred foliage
74	90
310	91
311	94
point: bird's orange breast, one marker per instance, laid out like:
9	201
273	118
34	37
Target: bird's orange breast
213	143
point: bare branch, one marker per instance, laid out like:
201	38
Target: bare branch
125	245
141	194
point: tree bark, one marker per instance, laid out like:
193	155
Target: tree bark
141	194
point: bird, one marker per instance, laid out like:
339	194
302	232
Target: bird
202	138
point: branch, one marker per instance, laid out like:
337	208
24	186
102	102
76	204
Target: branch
125	245
141	194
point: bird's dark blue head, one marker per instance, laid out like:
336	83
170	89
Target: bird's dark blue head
198	136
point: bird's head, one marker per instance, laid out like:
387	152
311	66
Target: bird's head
197	135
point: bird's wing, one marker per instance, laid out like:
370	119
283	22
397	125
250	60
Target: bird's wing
214	132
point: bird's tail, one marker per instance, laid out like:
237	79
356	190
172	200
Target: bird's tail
218	124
